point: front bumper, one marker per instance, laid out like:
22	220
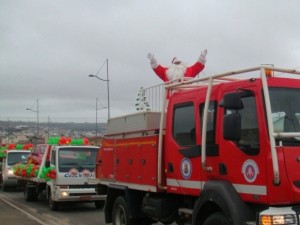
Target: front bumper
77	195
11	181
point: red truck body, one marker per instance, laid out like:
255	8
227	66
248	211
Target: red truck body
224	153
136	164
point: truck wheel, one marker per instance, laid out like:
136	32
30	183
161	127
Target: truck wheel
217	218
30	193
27	195
53	205
99	204
120	215
3	187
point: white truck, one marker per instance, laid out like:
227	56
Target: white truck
73	166
8	179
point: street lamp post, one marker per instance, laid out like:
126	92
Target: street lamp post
48	127
107	80
37	118
97	117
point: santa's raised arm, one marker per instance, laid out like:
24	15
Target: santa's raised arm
177	69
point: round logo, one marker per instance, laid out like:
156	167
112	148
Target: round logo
86	173
250	170
73	171
186	168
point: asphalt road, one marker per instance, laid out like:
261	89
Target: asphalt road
14	210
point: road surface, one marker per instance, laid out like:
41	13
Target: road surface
14	210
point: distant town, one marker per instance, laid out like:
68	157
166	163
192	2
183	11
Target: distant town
21	132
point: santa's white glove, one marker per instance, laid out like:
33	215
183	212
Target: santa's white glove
202	58
153	61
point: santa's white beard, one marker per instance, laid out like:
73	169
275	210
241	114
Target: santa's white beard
176	71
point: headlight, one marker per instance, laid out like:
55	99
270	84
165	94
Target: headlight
278	215
64	194
277	219
10	172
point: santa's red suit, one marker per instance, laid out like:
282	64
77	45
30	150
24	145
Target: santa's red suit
177	69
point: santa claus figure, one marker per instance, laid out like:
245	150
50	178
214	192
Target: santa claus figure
177	69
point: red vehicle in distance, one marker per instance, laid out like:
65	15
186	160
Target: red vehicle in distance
37	153
39	150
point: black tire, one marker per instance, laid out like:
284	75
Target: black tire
27	195
99	204
120	214
30	193
53	205
217	219
3	187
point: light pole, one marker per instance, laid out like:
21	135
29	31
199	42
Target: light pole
107	80
48	127
37	118
97	116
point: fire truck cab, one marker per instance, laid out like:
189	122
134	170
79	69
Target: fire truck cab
225	151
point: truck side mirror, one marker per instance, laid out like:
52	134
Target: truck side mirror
232	127
47	164
232	101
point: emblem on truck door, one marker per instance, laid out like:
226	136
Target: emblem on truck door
186	168
250	170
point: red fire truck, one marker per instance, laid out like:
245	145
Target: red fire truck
224	150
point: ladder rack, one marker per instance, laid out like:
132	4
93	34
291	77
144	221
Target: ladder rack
153	96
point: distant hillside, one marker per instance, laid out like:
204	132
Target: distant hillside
12	125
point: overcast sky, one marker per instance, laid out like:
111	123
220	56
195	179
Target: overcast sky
48	48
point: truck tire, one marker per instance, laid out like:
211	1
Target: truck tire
3	187
2	184
99	204
30	193
53	205
217	219
120	213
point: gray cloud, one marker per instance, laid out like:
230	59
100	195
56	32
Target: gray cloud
48	48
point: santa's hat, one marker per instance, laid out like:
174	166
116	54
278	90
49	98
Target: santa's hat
175	60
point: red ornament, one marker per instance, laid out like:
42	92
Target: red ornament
23	172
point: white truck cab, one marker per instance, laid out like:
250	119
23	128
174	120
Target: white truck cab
63	174
74	165
8	179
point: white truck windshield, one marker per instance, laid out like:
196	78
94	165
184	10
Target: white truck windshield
16	157
77	158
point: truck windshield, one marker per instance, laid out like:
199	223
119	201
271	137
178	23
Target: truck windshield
79	159
285	105
16	157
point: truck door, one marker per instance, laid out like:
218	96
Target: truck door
182	153
241	160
